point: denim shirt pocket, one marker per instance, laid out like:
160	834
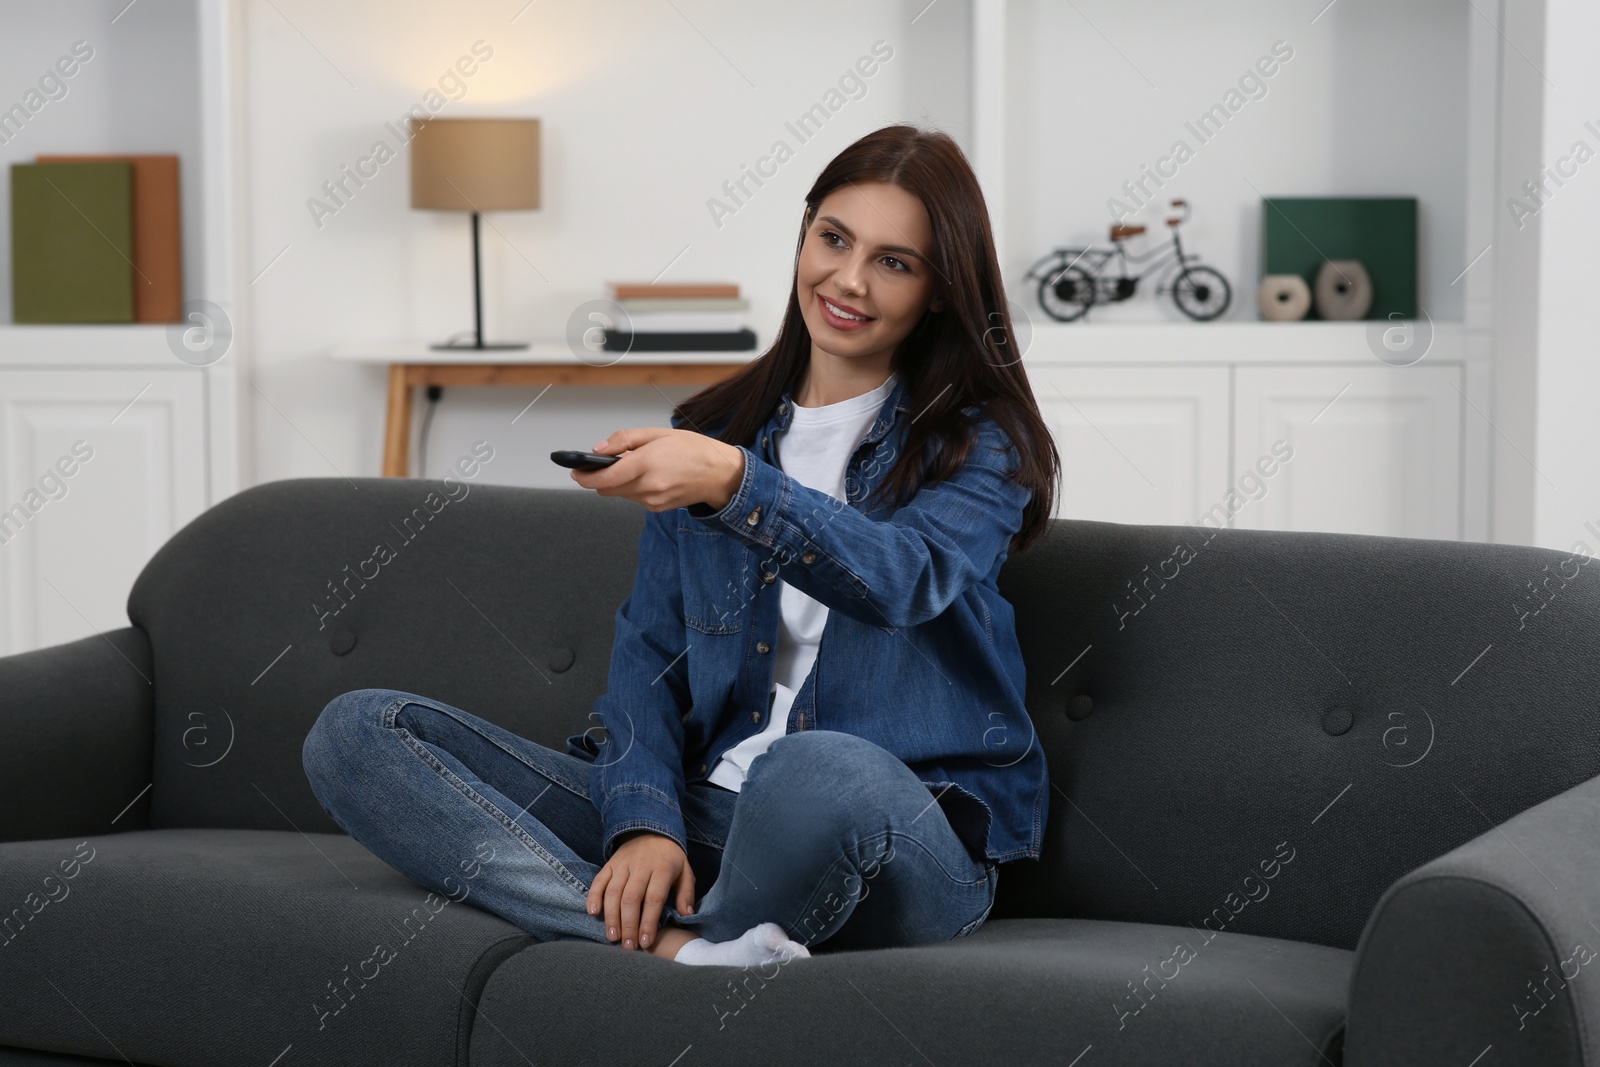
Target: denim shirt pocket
716	578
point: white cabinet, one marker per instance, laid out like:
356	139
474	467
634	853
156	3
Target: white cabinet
100	468
1377	449
1140	445
1171	425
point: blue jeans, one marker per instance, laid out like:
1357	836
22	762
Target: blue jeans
831	836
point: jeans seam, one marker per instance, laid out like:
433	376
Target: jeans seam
393	711
975	923
410	741
942	870
650	792
807	907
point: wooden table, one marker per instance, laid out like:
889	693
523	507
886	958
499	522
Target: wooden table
413	363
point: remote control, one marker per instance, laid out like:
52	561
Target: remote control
583	461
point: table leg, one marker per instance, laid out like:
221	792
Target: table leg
397	424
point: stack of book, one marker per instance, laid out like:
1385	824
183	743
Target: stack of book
96	239
695	317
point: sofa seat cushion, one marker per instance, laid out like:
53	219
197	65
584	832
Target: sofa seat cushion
204	946
1015	991
22	1057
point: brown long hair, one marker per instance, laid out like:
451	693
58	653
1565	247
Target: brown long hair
965	355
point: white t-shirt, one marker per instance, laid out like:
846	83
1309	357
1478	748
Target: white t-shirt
815	449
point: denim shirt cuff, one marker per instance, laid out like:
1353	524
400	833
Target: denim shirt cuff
758	498
640	810
777	503
751	512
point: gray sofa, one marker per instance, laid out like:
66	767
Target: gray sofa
1317	799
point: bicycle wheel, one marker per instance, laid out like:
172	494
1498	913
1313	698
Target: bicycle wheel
1066	294
1201	293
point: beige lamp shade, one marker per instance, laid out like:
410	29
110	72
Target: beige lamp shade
475	164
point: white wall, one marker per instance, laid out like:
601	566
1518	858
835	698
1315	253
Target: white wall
1516	273
1566	485
645	113
152	47
1371	103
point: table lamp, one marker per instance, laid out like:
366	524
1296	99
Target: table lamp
475	165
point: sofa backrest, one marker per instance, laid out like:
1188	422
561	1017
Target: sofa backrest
496	599
1259	731
1246	730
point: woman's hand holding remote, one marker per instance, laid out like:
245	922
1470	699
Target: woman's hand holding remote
666	468
634	885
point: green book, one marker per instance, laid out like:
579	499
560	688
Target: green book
1299	232
72	242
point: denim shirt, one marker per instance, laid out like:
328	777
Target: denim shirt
919	653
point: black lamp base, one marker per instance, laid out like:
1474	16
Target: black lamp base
477	345
473	346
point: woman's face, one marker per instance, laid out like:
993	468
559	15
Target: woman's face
864	278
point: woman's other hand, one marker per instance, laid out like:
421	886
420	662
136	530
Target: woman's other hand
663	468
635	883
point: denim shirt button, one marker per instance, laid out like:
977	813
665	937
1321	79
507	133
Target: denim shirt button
755	716
766	578
782	408
763	440
808	556
753	518
702	768
763	647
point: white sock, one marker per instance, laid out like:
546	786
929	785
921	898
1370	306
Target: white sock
765	943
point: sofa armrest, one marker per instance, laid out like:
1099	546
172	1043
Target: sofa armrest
1495	943
76	751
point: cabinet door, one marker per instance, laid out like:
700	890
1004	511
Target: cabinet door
71	545
1138	445
1377	449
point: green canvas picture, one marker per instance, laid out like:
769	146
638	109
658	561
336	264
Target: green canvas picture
1299	233
72	242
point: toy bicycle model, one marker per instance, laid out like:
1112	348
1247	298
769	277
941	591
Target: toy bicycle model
1072	280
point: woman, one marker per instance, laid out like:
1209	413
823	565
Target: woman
843	755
